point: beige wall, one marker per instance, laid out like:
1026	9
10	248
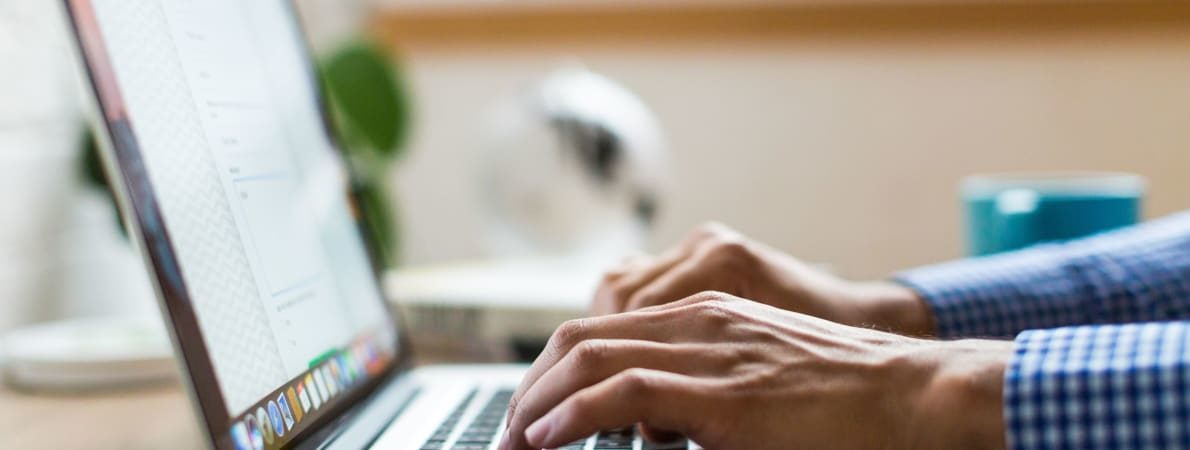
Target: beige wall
844	145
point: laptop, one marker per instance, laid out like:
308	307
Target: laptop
214	133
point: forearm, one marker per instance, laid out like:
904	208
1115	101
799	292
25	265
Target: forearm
891	307
1132	275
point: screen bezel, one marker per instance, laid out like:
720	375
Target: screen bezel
138	205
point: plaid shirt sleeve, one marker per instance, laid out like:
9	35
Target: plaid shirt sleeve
1133	275
1093	386
1100	386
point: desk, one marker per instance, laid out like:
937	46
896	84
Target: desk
152	418
161	417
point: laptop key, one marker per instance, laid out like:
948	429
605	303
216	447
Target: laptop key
619	439
480	433
437	441
679	445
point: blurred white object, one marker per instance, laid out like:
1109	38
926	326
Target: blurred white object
542	284
36	176
92	353
476	309
576	166
39	133
97	272
36	83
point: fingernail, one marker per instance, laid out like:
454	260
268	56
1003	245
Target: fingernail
504	440
540	430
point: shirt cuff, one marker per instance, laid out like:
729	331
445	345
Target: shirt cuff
1108	386
1000	296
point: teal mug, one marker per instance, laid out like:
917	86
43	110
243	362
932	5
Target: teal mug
1011	211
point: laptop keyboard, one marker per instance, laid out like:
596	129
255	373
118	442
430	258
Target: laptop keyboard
438	440
481	430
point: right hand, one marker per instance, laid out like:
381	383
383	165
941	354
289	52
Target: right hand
715	257
730	373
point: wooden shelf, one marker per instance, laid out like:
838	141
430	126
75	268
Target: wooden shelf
531	6
485	23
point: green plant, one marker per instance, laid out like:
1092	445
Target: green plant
370	112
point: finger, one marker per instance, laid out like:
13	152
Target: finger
603	302
596	360
686	279
611	296
676	322
689	301
658	399
659	326
671	322
614	290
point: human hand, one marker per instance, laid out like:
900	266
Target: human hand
735	374
718	258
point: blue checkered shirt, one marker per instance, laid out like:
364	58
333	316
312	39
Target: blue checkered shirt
1102	334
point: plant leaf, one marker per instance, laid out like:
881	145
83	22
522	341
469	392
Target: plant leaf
369	95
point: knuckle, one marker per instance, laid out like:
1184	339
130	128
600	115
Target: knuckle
709	297
731	252
701	306
570	333
590	353
636	383
732	247
715	313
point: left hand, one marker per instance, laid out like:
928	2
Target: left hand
734	374
715	257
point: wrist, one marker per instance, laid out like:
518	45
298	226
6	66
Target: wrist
962	406
893	307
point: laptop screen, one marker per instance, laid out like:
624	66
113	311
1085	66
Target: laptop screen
242	203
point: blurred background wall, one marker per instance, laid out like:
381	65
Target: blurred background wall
837	131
